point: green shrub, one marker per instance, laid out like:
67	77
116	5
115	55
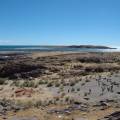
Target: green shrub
16	83
2	81
38	104
57	84
72	83
42	82
50	84
29	84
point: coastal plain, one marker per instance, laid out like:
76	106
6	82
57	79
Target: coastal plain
59	86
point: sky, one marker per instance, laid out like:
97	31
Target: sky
60	22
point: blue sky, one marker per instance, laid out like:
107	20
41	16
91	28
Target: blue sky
61	22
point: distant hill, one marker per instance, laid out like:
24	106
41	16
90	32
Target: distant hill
90	46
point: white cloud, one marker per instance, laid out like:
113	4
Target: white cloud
6	42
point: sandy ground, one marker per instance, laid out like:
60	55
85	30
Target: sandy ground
42	115
43	93
44	54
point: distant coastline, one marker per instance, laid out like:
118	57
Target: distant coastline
81	46
91	47
54	48
65	46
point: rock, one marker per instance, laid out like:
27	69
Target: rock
113	116
8	105
24	92
1	108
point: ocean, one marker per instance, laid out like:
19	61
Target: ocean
24	48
